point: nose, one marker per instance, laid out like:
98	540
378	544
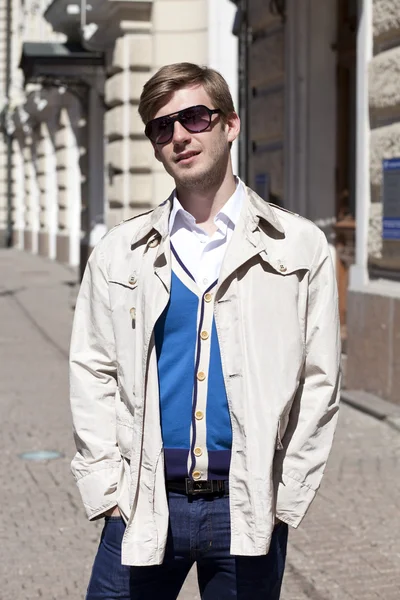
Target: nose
180	133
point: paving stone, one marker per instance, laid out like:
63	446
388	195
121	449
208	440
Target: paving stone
347	548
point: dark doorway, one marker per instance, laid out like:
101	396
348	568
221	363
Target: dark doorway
347	16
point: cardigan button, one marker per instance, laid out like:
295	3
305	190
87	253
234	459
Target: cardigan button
201	376
208	297
199	415
204	335
198	451
196	474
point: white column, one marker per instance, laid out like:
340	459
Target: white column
95	191
48	178
74	201
32	192
223	51
18	193
359	271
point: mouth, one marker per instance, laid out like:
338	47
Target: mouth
186	157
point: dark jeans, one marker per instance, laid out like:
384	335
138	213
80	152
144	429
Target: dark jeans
199	532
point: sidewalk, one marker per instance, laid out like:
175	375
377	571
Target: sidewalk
348	547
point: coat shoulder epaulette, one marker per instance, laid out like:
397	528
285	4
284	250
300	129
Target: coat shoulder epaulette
127	221
284	209
135	217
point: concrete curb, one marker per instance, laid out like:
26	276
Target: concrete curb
374	406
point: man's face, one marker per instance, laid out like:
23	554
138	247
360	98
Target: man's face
196	160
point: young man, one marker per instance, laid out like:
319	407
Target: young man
204	368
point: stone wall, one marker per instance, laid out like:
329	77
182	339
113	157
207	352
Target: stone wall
384	98
373	362
51	132
373	343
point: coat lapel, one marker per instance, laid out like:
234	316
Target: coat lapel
250	240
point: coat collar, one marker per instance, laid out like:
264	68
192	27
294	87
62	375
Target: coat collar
256	210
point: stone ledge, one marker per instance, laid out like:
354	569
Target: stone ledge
386	18
373	405
384	75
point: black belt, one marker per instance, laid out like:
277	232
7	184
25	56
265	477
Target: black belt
194	488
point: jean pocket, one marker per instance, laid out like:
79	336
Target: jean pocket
113	532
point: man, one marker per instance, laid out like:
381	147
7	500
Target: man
204	368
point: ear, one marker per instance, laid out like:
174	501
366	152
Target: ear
232	126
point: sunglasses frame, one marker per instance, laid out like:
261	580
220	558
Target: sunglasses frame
176	116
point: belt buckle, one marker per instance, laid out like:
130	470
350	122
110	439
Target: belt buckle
198	487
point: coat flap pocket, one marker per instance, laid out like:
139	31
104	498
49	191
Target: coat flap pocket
127	280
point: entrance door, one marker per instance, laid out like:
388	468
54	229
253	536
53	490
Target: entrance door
345	148
266	78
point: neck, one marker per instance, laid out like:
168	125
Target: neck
205	203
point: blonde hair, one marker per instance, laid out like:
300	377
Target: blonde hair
159	88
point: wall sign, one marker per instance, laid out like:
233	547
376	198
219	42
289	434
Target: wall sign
391	199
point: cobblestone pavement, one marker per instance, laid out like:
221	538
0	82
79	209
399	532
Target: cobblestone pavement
348	547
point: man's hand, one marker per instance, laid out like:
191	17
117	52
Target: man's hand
113	512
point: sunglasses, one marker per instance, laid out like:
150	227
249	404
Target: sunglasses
194	119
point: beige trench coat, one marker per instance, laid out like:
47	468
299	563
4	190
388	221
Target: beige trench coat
277	321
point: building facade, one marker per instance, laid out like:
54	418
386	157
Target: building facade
374	290
73	158
323	104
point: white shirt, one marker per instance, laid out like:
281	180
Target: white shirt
202	254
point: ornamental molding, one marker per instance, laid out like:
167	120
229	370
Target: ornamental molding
97	23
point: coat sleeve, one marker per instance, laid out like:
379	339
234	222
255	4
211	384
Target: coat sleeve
93	386
306	444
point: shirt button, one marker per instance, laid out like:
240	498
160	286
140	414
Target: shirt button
198	451
205	281
133	313
204	335
199	415
282	268
208	297
201	376
196	474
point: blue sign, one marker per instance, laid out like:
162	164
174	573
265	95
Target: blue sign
391	199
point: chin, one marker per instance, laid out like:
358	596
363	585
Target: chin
192	178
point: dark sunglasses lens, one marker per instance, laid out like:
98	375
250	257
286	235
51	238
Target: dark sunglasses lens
159	131
195	119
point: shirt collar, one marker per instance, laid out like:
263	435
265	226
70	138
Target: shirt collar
229	213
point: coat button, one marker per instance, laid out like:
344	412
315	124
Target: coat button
204	335
196	474
199	415
201	376
154	242
282	268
